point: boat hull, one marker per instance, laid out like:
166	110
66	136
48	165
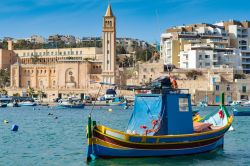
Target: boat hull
241	113
71	106
118	104
110	143
27	104
107	152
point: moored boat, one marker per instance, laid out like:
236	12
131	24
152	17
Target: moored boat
71	102
241	112
161	125
27	103
3	105
118	101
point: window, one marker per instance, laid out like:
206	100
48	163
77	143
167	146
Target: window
244	89
207	56
183	105
107	61
68	52
64	53
80	52
207	64
228	87
107	51
76	52
217	87
72	52
28	83
200	57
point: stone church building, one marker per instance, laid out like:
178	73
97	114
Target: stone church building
66	71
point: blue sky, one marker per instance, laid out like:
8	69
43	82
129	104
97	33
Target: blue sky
142	19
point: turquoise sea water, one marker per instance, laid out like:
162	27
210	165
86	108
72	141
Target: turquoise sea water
44	140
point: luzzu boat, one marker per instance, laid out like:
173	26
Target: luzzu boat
161	125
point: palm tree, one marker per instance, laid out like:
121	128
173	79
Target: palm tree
30	91
41	94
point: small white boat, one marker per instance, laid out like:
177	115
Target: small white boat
246	104
27	103
242	102
3	105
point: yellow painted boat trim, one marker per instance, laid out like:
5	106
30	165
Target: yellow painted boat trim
102	129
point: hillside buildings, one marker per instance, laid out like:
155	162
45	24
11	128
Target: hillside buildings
207	45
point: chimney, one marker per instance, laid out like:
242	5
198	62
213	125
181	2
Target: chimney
10	45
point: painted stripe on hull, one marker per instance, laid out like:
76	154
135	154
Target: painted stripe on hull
103	151
177	145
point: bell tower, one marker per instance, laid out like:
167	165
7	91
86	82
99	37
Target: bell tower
109	47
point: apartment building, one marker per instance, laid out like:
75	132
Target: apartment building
225	43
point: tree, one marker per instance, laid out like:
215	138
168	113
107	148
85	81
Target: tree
41	94
30	91
3	91
193	74
240	76
120	50
4	77
16	94
34	59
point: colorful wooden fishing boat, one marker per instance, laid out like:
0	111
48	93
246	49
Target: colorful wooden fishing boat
161	125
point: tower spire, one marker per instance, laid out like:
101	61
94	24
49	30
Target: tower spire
109	12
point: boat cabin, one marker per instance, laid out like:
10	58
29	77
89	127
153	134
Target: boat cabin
165	113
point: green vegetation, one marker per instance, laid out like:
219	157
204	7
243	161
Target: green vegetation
240	76
4	78
34	59
30	92
193	74
3	91
16	94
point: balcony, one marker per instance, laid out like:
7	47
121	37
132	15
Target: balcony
245	62
220	41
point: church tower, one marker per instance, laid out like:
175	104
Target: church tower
109	47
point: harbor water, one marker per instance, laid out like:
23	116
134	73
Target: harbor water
53	137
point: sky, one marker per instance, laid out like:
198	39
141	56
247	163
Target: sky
142	19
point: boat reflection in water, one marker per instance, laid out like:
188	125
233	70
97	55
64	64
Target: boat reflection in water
161	125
